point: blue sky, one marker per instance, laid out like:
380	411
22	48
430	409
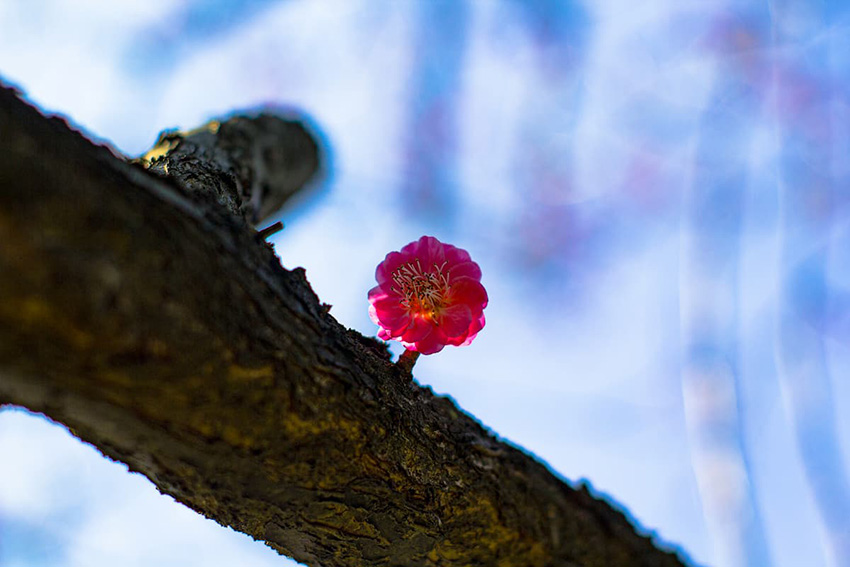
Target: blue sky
667	313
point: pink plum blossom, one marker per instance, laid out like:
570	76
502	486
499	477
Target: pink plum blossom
429	295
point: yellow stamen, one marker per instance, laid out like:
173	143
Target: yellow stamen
421	291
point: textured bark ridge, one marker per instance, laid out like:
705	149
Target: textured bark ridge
249	165
162	330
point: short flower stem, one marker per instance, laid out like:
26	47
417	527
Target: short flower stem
407	360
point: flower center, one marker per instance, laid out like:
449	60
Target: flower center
422	291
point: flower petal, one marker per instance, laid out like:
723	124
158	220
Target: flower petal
476	326
455	320
384	271
464	270
432	343
394	330
389	313
428	250
418	329
376	293
455	255
469	292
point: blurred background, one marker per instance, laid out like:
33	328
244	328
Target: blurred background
656	193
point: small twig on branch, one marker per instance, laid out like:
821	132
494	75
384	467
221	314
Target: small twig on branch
264	233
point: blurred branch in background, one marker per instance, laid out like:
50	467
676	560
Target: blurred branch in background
431	139
812	182
156	50
709	297
547	223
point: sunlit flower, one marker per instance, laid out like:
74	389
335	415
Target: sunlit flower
429	295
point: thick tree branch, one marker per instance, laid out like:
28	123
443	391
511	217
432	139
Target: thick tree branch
163	331
249	165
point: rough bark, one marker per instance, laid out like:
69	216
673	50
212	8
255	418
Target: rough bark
249	165
162	330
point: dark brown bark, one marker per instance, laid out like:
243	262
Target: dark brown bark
250	166
162	330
